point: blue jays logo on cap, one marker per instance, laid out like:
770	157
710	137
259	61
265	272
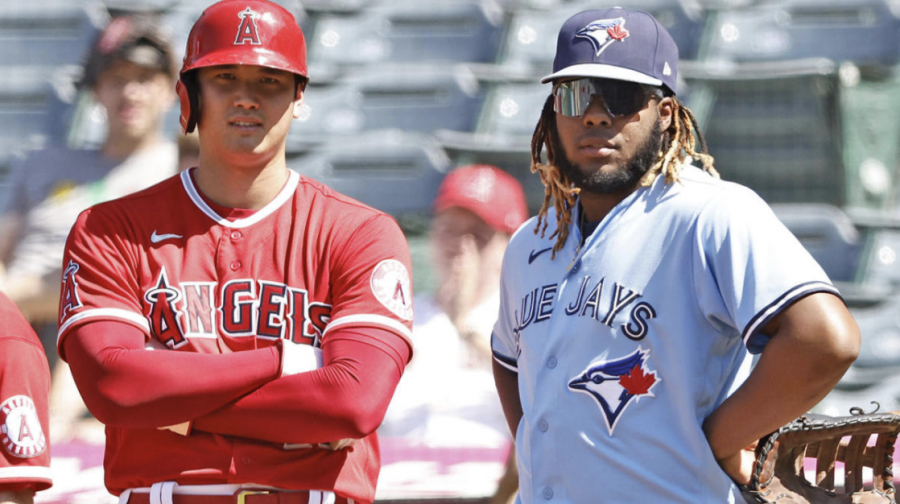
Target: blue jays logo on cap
615	384
604	32
596	43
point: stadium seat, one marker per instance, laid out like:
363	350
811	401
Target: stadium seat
828	234
34	110
502	136
336	6
862	31
870	121
410	97
394	171
881	230
774	127
408	30
152	7
47	34
27	109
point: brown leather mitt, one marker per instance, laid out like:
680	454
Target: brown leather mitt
778	474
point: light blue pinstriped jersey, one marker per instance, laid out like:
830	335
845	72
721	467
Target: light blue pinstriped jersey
622	348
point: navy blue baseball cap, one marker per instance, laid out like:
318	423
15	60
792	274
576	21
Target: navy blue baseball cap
616	44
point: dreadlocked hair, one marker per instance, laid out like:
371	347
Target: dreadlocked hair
680	142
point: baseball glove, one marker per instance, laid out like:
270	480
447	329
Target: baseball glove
828	441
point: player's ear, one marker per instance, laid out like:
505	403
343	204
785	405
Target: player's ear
666	110
300	83
298	103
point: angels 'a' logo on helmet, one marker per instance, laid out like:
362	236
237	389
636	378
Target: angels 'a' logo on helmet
616	383
604	32
247	32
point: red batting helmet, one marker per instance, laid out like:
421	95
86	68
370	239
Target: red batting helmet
240	32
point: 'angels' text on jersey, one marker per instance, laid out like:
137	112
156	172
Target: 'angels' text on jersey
243	307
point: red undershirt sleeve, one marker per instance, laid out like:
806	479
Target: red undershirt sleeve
123	384
346	398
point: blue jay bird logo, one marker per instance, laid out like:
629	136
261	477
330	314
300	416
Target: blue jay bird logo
614	384
604	32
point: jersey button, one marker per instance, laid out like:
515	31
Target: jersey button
547	493
551	362
543	426
236	235
236	265
246	460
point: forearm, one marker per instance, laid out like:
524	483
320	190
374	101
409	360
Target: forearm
507	384
16	497
799	366
131	387
347	398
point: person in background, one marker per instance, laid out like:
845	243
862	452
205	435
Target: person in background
131	74
476	211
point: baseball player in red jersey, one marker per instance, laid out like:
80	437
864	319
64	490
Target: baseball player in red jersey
24	417
192	313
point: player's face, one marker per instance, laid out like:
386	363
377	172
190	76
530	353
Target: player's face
246	112
605	154
135	98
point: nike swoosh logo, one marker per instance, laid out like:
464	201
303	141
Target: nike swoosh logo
156	238
534	255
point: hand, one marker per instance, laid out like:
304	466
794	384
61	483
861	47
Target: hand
182	429
458	289
342	443
16	497
740	465
331	445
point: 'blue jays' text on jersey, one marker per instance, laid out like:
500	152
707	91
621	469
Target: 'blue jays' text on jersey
624	347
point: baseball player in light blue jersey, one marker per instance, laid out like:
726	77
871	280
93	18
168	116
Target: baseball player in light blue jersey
631	304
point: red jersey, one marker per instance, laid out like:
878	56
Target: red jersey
24	414
165	261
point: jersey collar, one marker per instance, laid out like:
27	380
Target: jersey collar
283	196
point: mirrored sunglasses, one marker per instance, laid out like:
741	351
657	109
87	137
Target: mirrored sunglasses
620	98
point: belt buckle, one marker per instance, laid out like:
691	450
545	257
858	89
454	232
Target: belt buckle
242	495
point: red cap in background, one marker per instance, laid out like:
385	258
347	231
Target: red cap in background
491	193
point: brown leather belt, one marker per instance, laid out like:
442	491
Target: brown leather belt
240	497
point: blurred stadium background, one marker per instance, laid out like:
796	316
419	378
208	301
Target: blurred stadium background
798	99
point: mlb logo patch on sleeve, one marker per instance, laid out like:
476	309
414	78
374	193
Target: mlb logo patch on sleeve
20	429
391	286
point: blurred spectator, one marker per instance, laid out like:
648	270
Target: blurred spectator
446	396
477	209
24	384
131	73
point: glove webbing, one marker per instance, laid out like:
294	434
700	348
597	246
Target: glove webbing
782	452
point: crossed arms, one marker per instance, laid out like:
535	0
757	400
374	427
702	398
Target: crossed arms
241	393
